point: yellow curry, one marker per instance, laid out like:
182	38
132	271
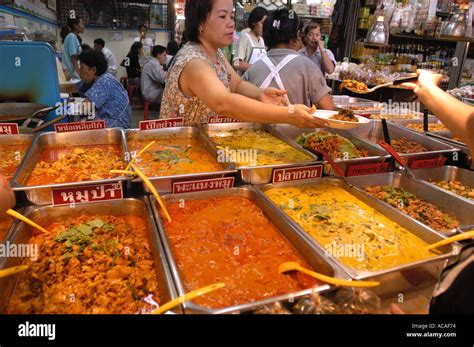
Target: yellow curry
173	155
251	147
348	229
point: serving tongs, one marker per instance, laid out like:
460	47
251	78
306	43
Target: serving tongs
336	168
387	145
410	78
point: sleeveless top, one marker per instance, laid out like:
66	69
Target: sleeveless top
175	103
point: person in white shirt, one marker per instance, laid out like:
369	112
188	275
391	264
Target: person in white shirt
147	43
99	46
251	46
315	50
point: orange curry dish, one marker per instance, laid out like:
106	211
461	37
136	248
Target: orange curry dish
230	240
77	164
11	157
89	265
173	155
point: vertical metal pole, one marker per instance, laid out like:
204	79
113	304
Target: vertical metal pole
171	20
351	27
459	59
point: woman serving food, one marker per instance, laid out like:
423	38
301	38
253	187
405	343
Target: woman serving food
202	83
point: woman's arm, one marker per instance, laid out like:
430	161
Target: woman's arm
198	79
75	63
454	114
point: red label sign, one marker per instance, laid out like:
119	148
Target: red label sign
161	123
222	119
79	126
427	163
297	173
203	185
9	129
85	194
367	169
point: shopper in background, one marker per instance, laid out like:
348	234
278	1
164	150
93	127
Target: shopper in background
285	68
153	76
72	45
132	63
315	50
7	197
251	45
201	82
106	94
99	46
147	43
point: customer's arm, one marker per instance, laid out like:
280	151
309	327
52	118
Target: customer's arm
454	114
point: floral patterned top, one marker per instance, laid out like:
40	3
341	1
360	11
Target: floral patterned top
175	103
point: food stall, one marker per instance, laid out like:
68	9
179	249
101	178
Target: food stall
275	219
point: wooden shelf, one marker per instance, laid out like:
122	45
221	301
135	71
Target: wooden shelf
426	38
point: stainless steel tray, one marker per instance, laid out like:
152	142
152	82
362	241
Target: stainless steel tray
436	149
447	173
17	140
376	154
48	214
348	100
448	203
428	269
315	258
41	195
4	235
447	137
164	184
259	174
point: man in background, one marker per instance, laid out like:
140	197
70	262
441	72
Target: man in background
153	76
99	46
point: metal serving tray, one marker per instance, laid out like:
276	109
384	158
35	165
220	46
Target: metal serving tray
259	174
448	203
41	195
436	149
164	184
315	258
447	173
429	267
48	214
16	140
447	137
376	154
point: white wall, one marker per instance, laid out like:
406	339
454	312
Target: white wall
121	48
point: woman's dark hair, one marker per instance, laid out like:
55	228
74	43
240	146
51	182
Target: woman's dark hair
256	16
93	58
157	50
69	28
135	49
196	13
172	47
281	26
142	26
85	46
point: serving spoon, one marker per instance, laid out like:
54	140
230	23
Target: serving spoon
293	266
411	78
461	237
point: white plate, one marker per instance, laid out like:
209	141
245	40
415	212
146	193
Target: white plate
339	124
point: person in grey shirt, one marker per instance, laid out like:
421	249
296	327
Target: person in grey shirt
285	68
153	76
314	49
